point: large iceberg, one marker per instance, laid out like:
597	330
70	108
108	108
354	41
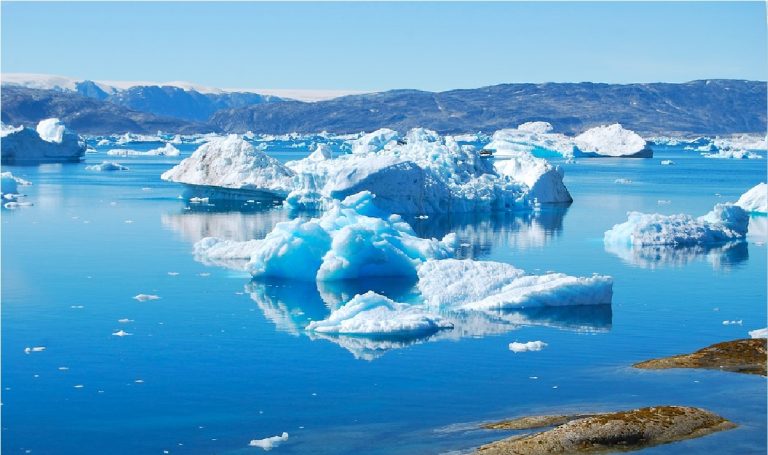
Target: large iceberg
755	200
233	164
726	222
485	285
612	141
534	137
50	142
353	239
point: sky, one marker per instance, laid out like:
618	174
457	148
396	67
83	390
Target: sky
379	46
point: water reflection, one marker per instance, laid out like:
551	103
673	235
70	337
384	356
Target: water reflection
194	225
722	256
292	305
479	233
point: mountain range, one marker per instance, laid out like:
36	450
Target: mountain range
705	107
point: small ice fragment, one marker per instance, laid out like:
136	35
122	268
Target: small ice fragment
554	386
128	221
623	181
146	188
124	320
121	333
525	347
667	162
79	386
139	381
663	202
204	274
173	273
145	297
77	307
269	443
739	322
423	217
63	368
34	349
533	377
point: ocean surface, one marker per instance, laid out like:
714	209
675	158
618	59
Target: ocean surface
220	360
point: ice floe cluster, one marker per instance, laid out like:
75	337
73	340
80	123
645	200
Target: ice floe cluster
50	142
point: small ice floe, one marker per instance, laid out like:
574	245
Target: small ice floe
145	297
423	217
106	166
739	322
124	320
269	443
28	350
667	162
63	368
15	205
173	273
79	386
128	221
623	181
759	333
204	274
121	333
525	347
663	202
198	200
146	188
139	381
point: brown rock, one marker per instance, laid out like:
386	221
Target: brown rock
618	431
740	356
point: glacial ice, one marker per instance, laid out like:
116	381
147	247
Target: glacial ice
726	222
755	200
612	141
51	142
544	181
759	333
484	285
732	154
232	163
106	166
269	443
166	150
375	314
517	347
9	191
534	137
353	239
536	127
375	141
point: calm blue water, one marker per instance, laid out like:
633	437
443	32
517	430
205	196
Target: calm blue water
220	360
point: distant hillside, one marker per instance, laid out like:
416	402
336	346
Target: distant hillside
699	107
85	115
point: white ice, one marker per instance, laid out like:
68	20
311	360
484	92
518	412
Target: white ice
145	297
611	140
526	347
485	285
755	200
374	314
724	223
51	130
269	443
166	150
106	166
49	142
759	333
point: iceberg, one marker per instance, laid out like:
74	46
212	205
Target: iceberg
544	181
612	141
167	150
375	314
732	154
759	333
231	166
50	142
106	166
534	137
461	284
269	443
353	239
375	141
755	200
9	191
726	222
526	347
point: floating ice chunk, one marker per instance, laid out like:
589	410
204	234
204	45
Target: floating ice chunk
759	333
14	204
667	162
232	163
28	350
322	152
374	314
124	320
146	297
353	239
121	333
535	137
50	143
166	150
544	181
724	223
106	166
742	141
51	130
623	181
738	322
612	141
733	154
755	200
485	285
269	443
526	347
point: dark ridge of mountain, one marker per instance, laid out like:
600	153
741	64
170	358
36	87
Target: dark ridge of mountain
697	107
26	106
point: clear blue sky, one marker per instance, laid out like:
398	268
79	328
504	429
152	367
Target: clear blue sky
375	46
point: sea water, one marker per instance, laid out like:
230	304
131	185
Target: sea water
219	360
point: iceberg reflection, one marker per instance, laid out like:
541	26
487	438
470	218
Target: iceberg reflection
238	226
720	256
